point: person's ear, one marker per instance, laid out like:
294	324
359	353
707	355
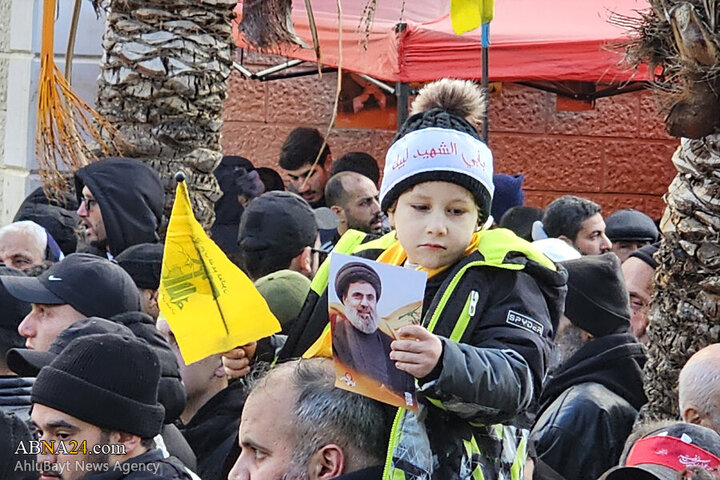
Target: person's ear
691	415
567	240
328	163
391	217
303	262
339	213
153	299
327	463
132	443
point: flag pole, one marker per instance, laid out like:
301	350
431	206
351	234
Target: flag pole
485	81
180	178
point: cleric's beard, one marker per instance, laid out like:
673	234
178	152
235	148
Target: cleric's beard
366	322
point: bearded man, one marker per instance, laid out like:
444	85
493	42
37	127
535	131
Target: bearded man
358	343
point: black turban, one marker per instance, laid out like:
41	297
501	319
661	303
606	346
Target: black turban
356	272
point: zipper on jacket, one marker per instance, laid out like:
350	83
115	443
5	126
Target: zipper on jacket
467	313
392	444
474	297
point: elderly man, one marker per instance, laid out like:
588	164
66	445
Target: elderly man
297	425
668	453
629	230
639	270
699	388
23	244
578	222
121	204
112	410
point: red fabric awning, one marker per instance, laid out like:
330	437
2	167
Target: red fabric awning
531	40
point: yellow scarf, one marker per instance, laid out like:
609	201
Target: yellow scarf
393	255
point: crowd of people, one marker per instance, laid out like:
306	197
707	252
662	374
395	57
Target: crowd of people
528	361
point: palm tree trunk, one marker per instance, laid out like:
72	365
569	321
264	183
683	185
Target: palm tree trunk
678	41
163	80
685	314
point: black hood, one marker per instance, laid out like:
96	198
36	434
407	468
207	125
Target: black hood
227	208
614	361
130	195
60	220
171	391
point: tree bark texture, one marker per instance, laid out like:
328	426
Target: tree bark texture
684	314
164	77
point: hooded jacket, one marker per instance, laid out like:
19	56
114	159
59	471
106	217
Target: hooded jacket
59	219
130	196
588	408
227	208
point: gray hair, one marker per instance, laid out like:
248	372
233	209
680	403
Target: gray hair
699	382
37	234
327	415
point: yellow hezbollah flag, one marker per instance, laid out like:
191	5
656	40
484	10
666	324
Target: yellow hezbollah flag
466	15
209	303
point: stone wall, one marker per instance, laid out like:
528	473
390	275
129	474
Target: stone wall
20	42
616	154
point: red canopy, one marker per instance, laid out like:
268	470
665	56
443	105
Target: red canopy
531	40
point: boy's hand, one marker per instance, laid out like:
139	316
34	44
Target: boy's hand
237	361
417	352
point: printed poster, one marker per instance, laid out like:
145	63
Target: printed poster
367	303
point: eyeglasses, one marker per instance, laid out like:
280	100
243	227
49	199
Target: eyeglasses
322	250
88	202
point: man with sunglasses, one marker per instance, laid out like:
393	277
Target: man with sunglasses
121	204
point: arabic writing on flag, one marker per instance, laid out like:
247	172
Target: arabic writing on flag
210	304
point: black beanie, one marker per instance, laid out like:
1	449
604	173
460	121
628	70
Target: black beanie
107	380
597	299
356	272
143	262
171	392
647	254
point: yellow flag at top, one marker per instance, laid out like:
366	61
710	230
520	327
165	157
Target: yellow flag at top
210	304
466	15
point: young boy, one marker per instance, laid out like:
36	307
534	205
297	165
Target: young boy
491	300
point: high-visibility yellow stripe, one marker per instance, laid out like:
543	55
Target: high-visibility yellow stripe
520	457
